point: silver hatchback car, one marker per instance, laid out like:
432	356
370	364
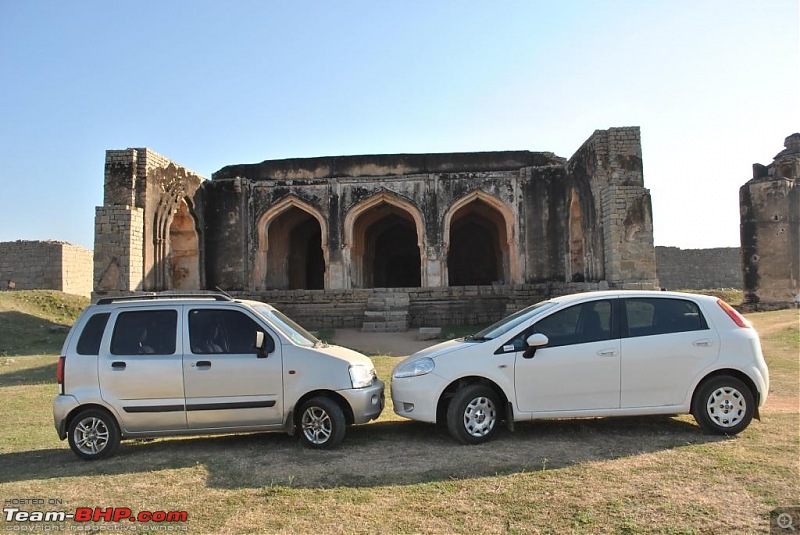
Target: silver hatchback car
151	366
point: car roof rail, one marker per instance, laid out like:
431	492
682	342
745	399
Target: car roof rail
152	296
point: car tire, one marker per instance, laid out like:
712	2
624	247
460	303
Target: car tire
474	414
93	434
321	423
723	405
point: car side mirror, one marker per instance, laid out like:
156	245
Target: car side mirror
264	344
534	342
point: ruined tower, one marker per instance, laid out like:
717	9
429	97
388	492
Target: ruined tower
770	229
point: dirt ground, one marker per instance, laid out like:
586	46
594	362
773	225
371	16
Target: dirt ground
390	344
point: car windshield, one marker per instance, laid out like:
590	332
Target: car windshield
506	324
296	334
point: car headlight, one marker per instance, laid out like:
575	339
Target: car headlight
414	368
361	376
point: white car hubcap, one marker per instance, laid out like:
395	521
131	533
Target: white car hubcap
726	406
480	417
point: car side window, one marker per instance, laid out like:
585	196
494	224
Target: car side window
146	332
92	335
650	316
216	331
579	324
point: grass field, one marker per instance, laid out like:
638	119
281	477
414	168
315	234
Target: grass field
635	475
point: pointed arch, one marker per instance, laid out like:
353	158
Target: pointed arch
289	217
485	217
176	243
369	227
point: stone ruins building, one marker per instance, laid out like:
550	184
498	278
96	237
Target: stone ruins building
45	265
770	229
345	240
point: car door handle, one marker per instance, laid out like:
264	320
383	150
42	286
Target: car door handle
607	352
203	364
705	342
118	365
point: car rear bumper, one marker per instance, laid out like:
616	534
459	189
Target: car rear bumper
62	406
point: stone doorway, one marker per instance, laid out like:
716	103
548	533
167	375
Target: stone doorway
478	247
295	258
385	248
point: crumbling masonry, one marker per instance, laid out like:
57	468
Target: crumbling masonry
460	238
770	230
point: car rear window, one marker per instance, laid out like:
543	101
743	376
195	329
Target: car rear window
650	316
89	341
147	332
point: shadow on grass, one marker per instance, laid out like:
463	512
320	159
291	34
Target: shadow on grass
23	334
383	453
38	375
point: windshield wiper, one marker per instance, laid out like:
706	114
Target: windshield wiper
473	338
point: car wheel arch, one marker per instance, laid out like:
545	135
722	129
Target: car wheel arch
94	406
743	377
337	398
450	390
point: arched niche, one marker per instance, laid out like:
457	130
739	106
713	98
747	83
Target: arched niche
292	247
478	233
384	243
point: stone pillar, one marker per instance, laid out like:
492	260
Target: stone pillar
630	259
118	249
770	230
434	267
119	227
611	162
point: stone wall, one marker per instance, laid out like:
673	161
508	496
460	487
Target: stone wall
699	269
46	265
76	269
428	307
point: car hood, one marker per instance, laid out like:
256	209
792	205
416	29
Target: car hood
439	349
345	354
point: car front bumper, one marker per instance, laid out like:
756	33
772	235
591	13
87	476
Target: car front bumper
367	403
416	398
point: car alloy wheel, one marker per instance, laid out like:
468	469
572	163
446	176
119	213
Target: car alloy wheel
317	426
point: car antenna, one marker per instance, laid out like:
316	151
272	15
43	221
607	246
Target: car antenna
223	292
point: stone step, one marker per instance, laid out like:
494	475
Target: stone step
386	312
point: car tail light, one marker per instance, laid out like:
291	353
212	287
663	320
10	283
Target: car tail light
737	318
60	374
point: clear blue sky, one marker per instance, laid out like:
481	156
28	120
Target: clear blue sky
714	85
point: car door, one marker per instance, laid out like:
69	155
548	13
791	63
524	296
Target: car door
140	368
228	383
667	343
579	369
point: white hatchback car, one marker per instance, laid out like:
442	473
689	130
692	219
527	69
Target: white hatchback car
613	353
